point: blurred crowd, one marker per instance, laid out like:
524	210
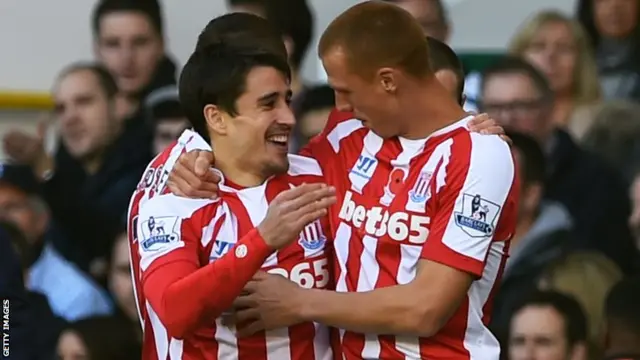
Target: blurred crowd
566	90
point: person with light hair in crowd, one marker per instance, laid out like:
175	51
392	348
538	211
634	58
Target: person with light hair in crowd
558	46
588	277
615	135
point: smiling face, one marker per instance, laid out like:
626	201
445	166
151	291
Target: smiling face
85	113
258	136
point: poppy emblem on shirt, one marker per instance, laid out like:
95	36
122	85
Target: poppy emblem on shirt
396	181
312	236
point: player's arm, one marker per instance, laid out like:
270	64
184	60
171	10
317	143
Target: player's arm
454	255
182	293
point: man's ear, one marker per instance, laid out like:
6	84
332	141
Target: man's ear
388	80
215	119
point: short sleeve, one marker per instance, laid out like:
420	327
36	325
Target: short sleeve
476	206
165	231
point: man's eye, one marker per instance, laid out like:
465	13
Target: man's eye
270	105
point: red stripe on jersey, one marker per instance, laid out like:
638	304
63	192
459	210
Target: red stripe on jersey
487	310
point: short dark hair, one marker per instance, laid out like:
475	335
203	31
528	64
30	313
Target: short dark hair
168	109
533	164
292	18
575	320
314	98
149	8
242	29
105	79
515	65
621	305
295	20
216	74
442	57
122	342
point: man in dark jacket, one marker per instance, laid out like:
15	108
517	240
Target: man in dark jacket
32	327
622	316
542	235
519	97
89	188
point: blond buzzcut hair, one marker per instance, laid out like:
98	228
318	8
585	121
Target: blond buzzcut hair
375	34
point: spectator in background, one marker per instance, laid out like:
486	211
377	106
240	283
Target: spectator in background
615	135
169	121
90	203
129	41
120	283
622	316
432	16
33	327
559	48
312	111
99	338
542	235
294	20
548	325
519	98
71	293
614	31
587	277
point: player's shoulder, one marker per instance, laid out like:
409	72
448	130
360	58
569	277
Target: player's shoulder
341	125
302	166
172	205
475	151
465	141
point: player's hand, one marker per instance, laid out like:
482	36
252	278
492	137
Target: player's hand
268	302
485	125
292	210
193	177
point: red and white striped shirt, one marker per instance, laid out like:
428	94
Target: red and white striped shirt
153	183
449	198
169	227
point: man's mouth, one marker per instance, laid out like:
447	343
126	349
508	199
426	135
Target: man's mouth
280	141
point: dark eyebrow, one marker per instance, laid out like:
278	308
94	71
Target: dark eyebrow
272	97
268	98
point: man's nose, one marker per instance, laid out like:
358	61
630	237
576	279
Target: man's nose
287	118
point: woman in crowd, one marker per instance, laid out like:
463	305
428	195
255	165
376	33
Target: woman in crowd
559	48
614	32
